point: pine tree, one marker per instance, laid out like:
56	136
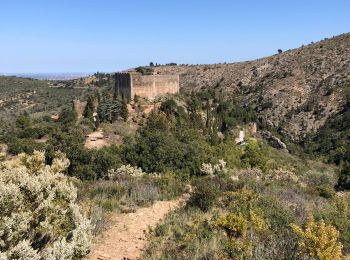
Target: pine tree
89	109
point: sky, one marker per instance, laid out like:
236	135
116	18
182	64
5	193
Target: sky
48	36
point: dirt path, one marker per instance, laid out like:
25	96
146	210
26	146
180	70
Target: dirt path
126	238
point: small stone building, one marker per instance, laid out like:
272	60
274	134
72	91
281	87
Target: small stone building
147	86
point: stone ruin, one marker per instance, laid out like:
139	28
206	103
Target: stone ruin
241	137
79	107
253	128
131	84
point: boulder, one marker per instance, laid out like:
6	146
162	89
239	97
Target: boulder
273	140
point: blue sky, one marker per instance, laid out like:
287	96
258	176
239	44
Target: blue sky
91	35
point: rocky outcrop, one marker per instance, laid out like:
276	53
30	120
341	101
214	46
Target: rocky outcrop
273	140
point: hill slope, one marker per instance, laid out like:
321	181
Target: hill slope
34	96
295	91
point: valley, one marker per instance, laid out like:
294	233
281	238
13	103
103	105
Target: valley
246	160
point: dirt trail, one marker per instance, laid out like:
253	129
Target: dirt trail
126	237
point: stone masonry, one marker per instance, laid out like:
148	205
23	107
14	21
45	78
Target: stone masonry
147	86
79	107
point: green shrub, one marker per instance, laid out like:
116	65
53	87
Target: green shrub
337	213
204	195
344	179
144	70
169	107
169	185
68	116
326	191
87	125
161	230
23	121
16	146
254	155
278	216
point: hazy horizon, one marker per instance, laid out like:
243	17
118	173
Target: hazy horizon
105	36
50	75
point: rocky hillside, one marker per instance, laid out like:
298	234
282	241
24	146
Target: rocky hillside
295	91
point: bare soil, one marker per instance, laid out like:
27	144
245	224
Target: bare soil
126	237
95	140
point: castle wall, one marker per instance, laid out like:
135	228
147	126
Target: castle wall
147	86
151	86
123	85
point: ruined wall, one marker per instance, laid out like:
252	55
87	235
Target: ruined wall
79	107
148	86
151	86
123	85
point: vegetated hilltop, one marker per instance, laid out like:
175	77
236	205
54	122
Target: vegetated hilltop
44	96
295	91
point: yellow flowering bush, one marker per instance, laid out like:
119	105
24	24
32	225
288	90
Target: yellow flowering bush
39	217
235	225
243	198
244	222
319	240
258	222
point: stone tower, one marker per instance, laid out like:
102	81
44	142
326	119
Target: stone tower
79	107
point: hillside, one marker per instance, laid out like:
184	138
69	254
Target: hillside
246	199
36	96
295	91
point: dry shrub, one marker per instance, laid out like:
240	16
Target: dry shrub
39	217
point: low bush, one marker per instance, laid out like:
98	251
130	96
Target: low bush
337	213
319	240
235	225
169	185
39	217
86	125
204	195
326	191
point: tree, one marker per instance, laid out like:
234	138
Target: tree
344	178
169	107
110	111
279	51
193	103
68	116
155	151
23	121
151	64
124	110
163	144
89	109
